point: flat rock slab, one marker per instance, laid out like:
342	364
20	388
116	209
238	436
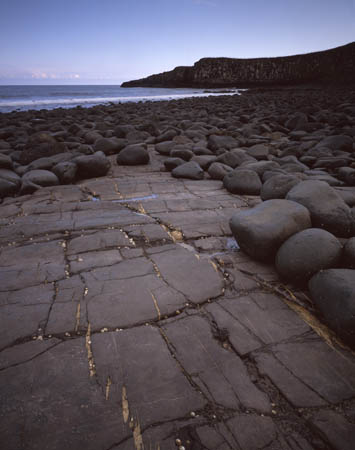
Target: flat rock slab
130	320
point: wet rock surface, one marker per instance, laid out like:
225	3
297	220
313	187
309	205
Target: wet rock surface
130	316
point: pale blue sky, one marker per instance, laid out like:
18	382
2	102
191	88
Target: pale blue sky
110	41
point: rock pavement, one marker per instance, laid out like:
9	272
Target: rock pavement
132	320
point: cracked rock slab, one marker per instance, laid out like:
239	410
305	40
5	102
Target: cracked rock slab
219	372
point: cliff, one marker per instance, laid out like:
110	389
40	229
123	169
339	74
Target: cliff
336	65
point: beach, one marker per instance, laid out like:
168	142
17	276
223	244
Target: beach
180	273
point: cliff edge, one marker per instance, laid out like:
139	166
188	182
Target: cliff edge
336	65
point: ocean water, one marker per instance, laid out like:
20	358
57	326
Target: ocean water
22	98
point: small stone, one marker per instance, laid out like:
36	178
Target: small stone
178	441
192	414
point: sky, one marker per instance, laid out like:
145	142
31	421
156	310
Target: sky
111	41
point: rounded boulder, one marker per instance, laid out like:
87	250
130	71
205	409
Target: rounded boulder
133	155
307	252
261	231
333	292
242	181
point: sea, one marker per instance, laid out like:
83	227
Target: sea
23	98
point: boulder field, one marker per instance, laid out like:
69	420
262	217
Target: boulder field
294	149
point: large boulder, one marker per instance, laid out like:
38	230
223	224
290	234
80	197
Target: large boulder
261	166
328	209
258	151
171	163
133	155
349	254
10	183
35	179
278	186
217	170
240	181
41	145
216	142
333	292
65	171
190	170
164	148
260	231
307	252
5	162
90	166
337	142
109	146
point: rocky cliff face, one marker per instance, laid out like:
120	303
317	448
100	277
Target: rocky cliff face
335	65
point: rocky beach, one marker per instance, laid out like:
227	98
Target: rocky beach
180	274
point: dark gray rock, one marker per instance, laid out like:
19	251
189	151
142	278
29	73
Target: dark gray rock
85	149
261	166
90	166
184	154
216	142
307	252
328	210
260	231
349	254
65	171
235	158
333	292
164	148
35	179
133	155
347	194
217	170
168	135
121	131
347	174
258	151
109	146
10	183
41	145
338	142
204	160
190	170
5	162
242	181
171	163
278	186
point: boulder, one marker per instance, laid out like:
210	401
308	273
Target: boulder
242	181
261	166
216	142
278	186
184	154
164	148
349	254
235	158
171	163
307	252
90	166
337	142
35	179
109	146
10	183
328	209
190	170
204	161
258	151
5	162
217	170
41	145
65	171
260	231
333	292
167	135
133	155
